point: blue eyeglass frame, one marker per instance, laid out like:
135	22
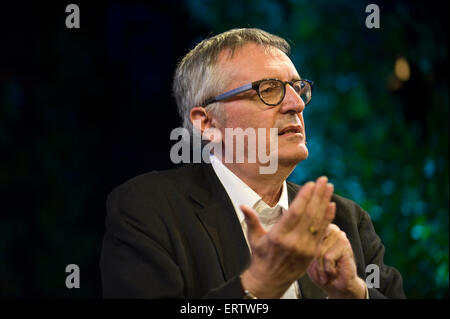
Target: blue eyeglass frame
255	86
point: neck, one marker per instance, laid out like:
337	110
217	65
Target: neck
268	186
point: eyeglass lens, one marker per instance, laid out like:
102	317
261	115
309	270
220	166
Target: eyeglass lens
272	91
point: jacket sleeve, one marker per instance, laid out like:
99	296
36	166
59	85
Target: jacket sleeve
138	259
390	280
135	260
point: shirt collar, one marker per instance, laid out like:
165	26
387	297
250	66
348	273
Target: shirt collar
239	192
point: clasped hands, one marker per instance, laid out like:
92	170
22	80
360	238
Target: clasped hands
303	240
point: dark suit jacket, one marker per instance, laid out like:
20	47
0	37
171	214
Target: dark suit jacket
175	234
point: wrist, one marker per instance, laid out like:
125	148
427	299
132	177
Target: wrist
252	286
356	289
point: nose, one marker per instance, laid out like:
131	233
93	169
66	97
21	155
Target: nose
292	102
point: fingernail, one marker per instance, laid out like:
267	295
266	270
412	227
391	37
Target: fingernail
330	187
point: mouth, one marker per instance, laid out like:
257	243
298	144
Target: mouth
291	130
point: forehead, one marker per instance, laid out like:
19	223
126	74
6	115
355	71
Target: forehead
254	62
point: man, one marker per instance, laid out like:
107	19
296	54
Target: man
224	230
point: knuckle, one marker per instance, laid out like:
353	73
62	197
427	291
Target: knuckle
343	235
334	227
275	240
327	257
346	241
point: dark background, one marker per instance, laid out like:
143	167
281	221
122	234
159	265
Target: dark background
83	110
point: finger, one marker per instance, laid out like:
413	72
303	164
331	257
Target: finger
332	258
297	207
254	228
327	219
313	271
317	200
332	235
329	192
331	228
334	254
321	274
324	200
330	213
327	260
326	212
314	210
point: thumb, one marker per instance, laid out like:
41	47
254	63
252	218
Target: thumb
254	228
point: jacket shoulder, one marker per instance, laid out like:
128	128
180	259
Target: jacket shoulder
346	209
158	180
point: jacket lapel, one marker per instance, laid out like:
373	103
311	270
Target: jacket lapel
218	217
216	213
308	289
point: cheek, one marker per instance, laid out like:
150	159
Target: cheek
244	119
240	116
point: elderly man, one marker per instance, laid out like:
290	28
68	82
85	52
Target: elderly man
223	229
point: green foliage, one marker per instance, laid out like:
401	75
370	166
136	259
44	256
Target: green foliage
383	145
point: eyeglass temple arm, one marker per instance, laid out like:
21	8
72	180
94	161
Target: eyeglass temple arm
228	94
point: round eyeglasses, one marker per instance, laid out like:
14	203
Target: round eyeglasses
270	91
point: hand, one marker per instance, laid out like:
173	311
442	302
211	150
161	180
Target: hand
282	255
334	268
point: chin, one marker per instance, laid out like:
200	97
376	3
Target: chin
293	156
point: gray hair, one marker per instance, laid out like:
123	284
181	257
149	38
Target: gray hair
197	76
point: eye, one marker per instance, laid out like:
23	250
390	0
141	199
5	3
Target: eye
269	87
267	90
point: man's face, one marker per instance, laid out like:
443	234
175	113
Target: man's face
252	63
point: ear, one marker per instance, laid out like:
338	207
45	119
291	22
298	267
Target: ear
200	119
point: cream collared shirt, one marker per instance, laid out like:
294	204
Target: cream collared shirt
241	194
